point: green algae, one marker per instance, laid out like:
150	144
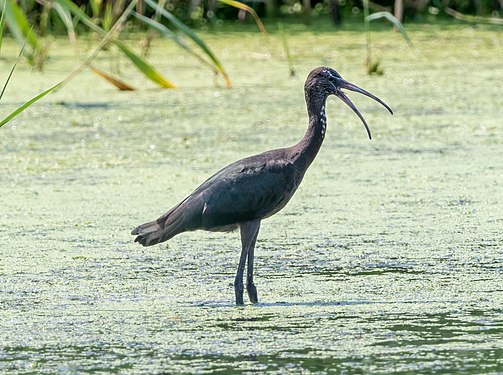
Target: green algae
388	259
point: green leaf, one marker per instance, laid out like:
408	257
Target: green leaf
81	14
107	19
147	69
1	25
12	69
192	35
140	63
66	17
33	100
7	80
20	28
27	104
19	25
95	7
394	21
164	31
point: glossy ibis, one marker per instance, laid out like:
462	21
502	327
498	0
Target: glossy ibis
254	188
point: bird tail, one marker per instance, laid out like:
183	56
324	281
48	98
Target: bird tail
162	229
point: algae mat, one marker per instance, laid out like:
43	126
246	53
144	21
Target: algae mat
388	259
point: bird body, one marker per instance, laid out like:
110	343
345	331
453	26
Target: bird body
242	191
252	189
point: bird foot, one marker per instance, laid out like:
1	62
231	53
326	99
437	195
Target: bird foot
252	292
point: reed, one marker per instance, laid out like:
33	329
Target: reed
104	15
373	66
33	100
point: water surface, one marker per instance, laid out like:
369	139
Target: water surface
388	259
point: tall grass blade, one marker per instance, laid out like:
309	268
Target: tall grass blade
147	69
13	68
240	5
162	30
1	25
286	49
106	39
28	103
391	18
167	33
107	19
7	80
66	17
192	35
74	9
95	7
19	25
121	85
475	19
366	23
150	33
33	100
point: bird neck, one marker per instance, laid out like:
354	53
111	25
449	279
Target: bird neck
306	150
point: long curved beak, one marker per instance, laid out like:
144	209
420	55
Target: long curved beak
349	86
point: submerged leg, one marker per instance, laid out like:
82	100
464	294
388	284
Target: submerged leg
249	232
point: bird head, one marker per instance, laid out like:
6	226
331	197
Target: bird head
328	82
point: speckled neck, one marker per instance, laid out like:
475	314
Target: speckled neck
306	150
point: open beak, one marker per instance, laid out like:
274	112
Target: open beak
349	86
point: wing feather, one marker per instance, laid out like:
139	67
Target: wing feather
250	192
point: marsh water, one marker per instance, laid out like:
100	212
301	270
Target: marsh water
389	258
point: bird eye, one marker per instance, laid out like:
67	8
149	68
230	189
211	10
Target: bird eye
331	76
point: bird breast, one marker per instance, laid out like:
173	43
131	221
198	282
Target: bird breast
249	190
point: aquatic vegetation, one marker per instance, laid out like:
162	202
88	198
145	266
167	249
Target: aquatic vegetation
21	108
20	28
387	259
373	67
70	14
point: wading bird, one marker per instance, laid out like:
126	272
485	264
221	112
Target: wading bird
254	188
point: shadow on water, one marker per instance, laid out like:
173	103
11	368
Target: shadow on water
85	105
324	303
227	304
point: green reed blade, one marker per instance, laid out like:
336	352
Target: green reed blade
145	67
391	18
167	33
1	25
28	103
240	5
192	35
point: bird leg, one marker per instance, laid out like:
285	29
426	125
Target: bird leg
250	286
238	281
249	232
